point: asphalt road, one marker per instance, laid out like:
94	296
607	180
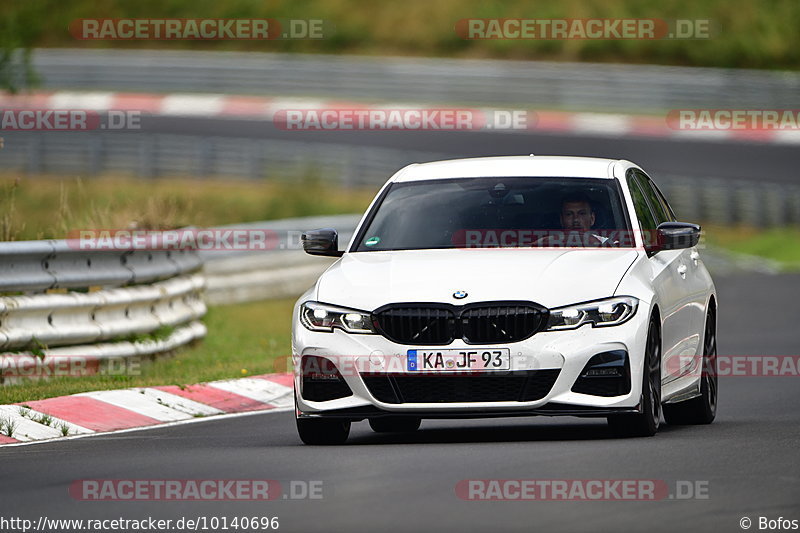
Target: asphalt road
718	159
747	459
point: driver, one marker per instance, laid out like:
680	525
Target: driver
577	213
577	218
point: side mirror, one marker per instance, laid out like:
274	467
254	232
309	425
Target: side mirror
676	236
321	242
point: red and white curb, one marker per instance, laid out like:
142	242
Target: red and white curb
97	412
265	108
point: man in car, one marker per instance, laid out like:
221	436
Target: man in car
577	218
577	213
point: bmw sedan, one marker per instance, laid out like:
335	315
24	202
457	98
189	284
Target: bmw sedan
508	286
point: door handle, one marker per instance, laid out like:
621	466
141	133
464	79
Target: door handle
682	271
695	256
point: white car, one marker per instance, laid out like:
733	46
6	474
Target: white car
508	286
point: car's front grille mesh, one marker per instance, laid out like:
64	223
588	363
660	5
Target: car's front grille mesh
417	325
499	323
482	323
516	386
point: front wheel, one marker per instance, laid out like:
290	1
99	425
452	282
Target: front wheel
323	431
703	409
645	424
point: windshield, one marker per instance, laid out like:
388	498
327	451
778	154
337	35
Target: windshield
497	212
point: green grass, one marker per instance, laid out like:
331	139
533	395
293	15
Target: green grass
243	340
50	207
778	244
7	426
746	33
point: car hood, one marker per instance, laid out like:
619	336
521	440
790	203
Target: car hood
368	280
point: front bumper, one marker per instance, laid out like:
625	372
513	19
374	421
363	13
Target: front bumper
565	353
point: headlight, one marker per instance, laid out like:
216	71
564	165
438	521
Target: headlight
601	313
323	317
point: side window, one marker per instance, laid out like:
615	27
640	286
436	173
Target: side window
660	207
643	213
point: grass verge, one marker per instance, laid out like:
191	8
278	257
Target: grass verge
49	207
243	340
778	244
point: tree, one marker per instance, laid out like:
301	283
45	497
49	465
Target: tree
18	33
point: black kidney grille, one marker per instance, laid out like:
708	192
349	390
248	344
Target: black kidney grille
440	324
417	325
517	386
492	324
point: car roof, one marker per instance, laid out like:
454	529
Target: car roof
528	165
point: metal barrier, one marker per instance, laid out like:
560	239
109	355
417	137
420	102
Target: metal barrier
124	296
233	277
113	357
41	265
154	155
576	86
74	317
115	297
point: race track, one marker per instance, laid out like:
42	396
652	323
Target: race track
747	459
682	157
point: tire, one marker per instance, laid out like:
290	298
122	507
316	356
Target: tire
703	409
404	424
645	424
321	431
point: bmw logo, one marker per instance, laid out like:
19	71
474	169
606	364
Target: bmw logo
460	295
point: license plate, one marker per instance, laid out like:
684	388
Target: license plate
453	360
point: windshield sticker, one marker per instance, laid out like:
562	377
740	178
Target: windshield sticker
372	241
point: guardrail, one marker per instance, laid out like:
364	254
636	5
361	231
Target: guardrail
54	264
233	276
116	302
154	155
539	84
74	317
125	304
